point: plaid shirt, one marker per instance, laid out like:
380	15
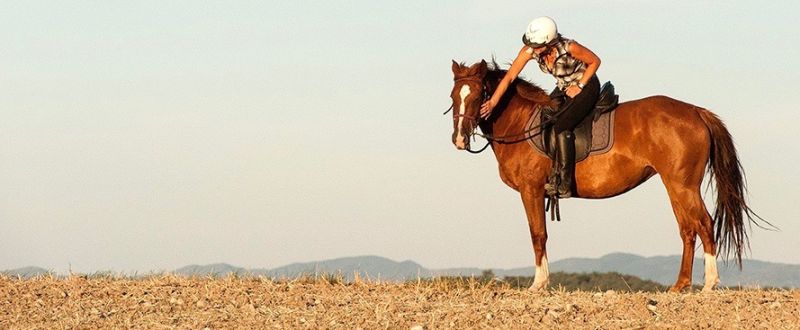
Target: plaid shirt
566	69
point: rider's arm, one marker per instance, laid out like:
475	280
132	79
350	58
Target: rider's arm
585	55
516	67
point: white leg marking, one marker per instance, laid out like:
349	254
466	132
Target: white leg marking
711	276
460	141
542	276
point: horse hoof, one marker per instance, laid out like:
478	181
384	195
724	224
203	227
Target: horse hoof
709	287
677	288
538	287
711	284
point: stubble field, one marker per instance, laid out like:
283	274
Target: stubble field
169	302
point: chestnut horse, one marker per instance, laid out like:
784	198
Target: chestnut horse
653	135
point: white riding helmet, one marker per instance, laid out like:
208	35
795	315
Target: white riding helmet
541	31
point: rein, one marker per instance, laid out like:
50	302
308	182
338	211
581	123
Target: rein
504	139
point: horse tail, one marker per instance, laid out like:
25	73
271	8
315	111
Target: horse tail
731	209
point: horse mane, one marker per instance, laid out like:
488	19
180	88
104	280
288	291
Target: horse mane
524	88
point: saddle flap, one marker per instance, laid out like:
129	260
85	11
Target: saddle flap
594	135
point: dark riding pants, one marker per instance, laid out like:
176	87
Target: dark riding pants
574	110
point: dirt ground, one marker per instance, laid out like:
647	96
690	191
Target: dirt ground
169	302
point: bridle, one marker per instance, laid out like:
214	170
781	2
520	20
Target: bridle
505	139
474	119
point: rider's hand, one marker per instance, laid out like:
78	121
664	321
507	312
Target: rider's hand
573	90
486	109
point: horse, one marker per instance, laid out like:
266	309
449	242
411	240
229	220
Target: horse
653	135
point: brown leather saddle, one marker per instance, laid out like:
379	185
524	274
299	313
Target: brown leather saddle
594	135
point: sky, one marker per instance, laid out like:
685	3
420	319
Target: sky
148	135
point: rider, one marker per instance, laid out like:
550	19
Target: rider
574	67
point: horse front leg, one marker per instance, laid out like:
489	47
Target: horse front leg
533	199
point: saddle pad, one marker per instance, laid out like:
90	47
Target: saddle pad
602	133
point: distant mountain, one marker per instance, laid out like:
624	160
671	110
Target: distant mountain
220	269
372	267
661	269
26	272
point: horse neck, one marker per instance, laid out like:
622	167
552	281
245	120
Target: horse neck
513	113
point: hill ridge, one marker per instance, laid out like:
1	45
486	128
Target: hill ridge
661	269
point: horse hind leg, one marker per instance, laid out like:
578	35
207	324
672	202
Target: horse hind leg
693	220
706	233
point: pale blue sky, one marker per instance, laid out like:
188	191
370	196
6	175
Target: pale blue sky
148	135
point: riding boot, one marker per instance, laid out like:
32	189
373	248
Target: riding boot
566	163
551	186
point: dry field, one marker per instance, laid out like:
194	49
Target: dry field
168	302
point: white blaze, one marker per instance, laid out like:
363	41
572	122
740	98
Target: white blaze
461	110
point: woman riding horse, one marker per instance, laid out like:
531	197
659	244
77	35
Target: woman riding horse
656	135
574	67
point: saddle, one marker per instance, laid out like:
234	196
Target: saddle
594	135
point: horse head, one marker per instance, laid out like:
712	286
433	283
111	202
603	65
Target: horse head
469	92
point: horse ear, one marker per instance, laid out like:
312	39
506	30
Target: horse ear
456	67
482	68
